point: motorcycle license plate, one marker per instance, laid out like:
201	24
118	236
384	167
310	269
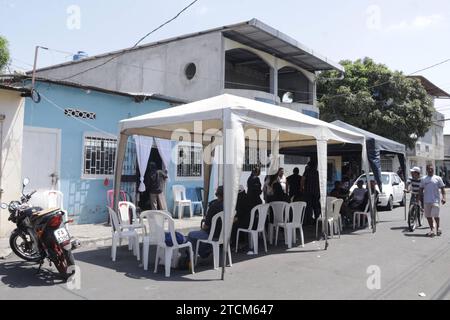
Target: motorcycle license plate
62	235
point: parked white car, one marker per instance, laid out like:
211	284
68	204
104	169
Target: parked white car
393	188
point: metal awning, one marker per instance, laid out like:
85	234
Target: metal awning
258	35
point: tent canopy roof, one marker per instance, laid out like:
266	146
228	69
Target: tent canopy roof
295	128
381	143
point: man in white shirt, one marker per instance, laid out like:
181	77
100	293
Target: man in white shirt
429	188
282	179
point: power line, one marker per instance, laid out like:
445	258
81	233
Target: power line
434	65
386	82
135	45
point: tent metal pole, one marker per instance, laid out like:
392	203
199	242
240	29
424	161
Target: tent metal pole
120	156
224	225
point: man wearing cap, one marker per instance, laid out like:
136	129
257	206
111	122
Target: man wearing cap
414	186
429	188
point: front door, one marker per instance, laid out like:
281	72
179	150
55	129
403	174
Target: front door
40	158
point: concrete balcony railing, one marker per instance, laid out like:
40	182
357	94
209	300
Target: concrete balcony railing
254	95
304	108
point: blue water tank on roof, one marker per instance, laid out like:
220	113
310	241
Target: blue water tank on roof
80	55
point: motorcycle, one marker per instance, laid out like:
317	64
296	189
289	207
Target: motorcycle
41	234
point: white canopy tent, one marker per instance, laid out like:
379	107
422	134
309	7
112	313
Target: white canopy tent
235	122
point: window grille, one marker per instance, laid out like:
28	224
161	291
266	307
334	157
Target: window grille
99	156
386	165
190	160
255	157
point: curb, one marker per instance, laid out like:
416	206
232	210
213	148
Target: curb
93	243
88	243
5	253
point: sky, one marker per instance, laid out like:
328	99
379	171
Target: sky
406	35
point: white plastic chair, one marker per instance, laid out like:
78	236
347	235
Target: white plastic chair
55	199
150	234
263	210
214	243
157	221
124	210
364	214
336	214
119	232
298	214
278	217
180	201
200	202
331	219
110	197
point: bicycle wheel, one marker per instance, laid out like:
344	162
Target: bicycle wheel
420	216
412	218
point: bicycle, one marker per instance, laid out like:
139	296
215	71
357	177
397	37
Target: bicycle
415	213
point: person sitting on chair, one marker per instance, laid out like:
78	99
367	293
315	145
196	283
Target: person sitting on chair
338	191
242	217
214	208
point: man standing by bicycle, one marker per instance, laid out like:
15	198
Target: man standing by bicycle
413	186
429	188
416	205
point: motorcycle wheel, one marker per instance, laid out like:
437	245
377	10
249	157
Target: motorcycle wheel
23	250
63	259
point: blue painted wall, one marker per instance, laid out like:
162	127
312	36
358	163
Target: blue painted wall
85	199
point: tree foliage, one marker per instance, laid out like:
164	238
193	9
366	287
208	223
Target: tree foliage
4	53
376	99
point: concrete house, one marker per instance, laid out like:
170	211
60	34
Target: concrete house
430	148
12	105
248	59
70	140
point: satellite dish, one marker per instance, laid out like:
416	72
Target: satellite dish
288	97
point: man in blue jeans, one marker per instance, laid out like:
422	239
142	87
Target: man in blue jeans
214	208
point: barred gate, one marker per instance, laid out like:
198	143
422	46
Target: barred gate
129	177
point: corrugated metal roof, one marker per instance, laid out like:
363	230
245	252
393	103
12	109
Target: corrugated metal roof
253	33
137	96
431	88
256	34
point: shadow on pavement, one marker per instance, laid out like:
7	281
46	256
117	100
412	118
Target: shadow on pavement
127	264
21	274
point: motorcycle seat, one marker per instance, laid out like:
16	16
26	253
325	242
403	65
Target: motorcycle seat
45	212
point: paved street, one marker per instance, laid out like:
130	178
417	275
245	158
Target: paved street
410	263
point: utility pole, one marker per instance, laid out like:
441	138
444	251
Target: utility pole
33	78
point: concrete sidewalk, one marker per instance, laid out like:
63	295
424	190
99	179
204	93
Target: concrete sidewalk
99	235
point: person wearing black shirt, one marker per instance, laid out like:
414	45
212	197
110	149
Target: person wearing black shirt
214	208
254	188
338	191
293	185
311	191
242	217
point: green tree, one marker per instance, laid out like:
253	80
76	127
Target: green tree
376	99
4	52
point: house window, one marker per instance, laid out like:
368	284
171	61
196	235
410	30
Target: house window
255	157
427	149
99	155
190	161
386	165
